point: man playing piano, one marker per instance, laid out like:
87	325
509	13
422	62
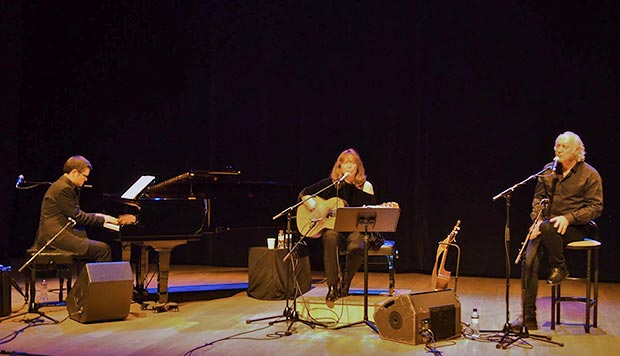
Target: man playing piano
61	202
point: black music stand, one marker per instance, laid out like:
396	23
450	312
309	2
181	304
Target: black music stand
366	220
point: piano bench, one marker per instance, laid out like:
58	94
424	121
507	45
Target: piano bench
58	263
387	254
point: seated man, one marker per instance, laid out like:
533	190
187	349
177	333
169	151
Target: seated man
575	194
61	202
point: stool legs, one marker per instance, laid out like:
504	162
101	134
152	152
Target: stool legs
32	287
591	294
588	289
392	285
63	274
595	324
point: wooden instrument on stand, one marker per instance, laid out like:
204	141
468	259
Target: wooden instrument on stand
441	276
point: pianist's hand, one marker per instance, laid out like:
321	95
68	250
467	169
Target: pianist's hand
126	219
108	219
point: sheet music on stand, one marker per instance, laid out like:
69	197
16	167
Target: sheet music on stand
137	187
349	219
131	194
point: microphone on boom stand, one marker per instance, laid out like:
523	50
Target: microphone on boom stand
554	165
20	180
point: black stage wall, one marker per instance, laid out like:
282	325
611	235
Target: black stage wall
448	104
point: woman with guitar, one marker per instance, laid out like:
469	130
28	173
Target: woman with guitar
315	218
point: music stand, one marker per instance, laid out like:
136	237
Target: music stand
366	220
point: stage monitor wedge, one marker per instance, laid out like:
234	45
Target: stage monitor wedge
403	318
102	292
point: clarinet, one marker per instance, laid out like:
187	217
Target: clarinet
539	209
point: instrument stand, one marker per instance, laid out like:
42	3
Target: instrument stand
371	219
458	263
509	335
33	306
290	314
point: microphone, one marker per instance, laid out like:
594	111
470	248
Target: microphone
554	166
72	221
344	175
87	186
20	180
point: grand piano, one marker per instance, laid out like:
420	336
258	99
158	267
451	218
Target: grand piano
186	208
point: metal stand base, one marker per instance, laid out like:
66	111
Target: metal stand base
510	337
34	309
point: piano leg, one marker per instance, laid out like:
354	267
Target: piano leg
163	248
126	251
142	269
162	276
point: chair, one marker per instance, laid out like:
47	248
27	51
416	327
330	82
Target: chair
386	254
591	246
389	251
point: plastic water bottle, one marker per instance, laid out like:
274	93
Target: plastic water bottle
43	294
281	239
475	324
288	241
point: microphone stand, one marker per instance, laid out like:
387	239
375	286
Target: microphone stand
509	336
291	315
33	306
31	185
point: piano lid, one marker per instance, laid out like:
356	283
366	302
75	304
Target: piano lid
203	201
183	183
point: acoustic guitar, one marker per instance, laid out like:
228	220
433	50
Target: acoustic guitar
312	223
441	276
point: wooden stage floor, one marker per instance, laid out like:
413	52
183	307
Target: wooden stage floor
219	327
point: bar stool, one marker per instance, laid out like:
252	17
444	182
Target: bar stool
591	246
386	254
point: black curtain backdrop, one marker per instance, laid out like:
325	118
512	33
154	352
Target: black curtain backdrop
448	104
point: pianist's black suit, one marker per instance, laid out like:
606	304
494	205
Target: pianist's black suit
62	200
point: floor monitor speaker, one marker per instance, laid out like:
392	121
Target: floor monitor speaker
102	292
407	318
